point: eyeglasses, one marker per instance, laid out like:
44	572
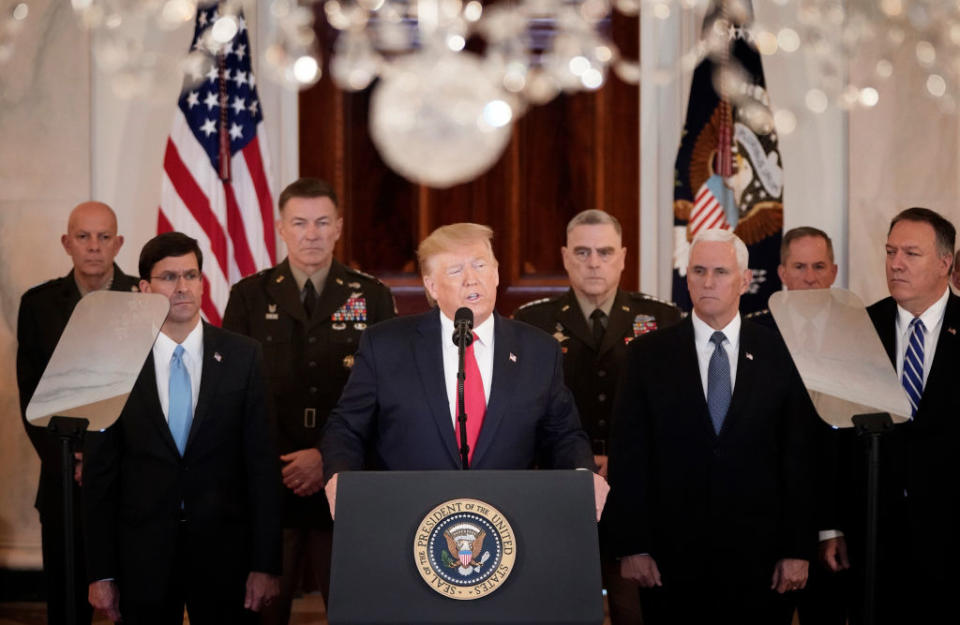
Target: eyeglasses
171	277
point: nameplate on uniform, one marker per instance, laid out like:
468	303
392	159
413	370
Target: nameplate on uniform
464	549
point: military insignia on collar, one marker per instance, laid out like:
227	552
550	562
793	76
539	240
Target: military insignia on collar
565	308
272	312
625	308
355	309
643	324
279	279
354	285
339	281
348	361
464	549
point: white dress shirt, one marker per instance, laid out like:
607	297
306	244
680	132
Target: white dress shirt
192	359
932	319
701	338
482	350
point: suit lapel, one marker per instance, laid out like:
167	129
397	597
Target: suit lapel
888	332
572	319
502	386
335	293
690	370
209	379
744	385
948	346
621	319
151	404
427	351
282	288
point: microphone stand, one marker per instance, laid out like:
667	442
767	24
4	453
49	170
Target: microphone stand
462	334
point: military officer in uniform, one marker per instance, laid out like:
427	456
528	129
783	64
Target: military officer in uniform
92	242
308	313
594	322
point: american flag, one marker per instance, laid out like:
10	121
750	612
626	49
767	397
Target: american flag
216	186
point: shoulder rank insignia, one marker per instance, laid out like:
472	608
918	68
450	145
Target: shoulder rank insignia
355	309
643	324
272	312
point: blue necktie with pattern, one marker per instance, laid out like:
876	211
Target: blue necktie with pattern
718	382
913	365
180	409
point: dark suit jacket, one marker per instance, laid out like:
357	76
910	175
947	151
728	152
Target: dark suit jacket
714	508
395	405
225	487
919	471
44	312
307	361
592	374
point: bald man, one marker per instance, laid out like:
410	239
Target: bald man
92	242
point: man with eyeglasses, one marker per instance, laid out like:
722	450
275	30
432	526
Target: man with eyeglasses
594	322
181	501
92	242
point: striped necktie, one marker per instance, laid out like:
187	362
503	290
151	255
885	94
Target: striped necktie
913	365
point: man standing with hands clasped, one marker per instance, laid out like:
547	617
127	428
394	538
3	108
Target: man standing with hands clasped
181	492
711	506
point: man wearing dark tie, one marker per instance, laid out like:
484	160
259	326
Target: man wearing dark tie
399	409
711	485
182	492
92	243
594	322
307	313
919	545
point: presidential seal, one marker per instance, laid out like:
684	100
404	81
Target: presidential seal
464	549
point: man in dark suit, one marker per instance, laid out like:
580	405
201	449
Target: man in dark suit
92	243
307	313
594	322
182	498
709	468
807	262
919	500
398	410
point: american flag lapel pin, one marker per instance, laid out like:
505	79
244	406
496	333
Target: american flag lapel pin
952	331
217	356
513	357
748	355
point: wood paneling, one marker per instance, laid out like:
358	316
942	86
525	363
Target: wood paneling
579	151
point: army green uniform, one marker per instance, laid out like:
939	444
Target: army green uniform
44	312
307	362
592	374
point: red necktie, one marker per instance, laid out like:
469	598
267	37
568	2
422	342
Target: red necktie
474	399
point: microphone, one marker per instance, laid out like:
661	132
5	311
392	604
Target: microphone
463	326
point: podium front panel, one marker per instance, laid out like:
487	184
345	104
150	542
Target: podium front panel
554	578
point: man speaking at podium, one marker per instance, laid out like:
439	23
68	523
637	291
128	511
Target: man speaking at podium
398	410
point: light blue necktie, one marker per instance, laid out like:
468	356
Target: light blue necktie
913	365
180	410
718	382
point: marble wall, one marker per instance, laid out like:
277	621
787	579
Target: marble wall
67	138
